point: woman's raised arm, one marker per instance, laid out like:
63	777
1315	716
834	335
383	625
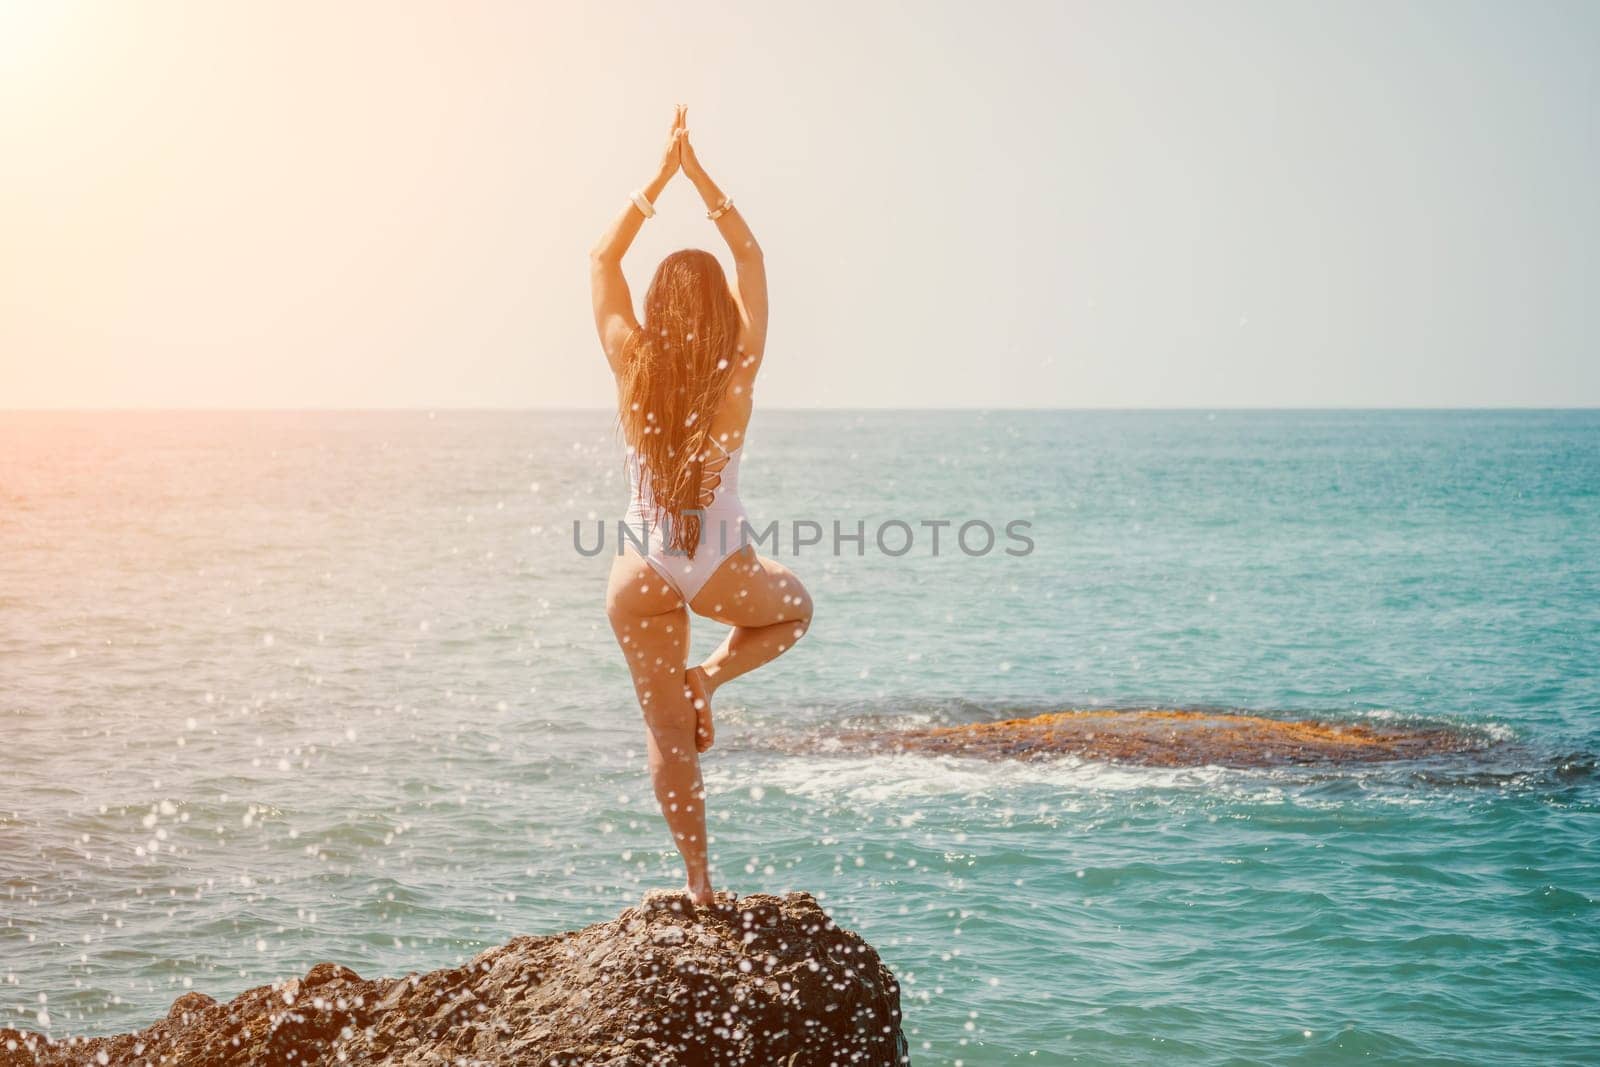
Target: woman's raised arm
613	303
748	263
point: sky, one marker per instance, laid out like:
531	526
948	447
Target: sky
220	204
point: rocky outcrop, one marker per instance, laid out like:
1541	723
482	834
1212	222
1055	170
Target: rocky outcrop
760	981
1168	739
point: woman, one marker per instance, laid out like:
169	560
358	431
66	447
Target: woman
685	380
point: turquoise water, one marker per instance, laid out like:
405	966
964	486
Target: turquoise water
279	688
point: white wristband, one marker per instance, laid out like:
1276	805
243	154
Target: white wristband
642	204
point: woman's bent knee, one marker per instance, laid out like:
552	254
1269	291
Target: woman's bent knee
800	603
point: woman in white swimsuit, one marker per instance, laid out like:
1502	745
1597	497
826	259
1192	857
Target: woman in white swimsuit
684	385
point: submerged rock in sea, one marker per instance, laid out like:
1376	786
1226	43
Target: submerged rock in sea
758	981
1169	739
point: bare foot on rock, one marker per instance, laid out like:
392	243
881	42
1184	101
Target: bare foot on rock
699	687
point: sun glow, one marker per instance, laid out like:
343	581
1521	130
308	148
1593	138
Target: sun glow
29	30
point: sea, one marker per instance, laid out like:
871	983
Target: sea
284	687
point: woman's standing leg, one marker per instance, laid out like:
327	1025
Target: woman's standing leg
651	624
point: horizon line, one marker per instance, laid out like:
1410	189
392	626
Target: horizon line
976	409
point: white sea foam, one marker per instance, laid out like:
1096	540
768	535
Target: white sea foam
903	776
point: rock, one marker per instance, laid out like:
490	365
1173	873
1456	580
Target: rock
327	972
1166	739
757	981
189	1004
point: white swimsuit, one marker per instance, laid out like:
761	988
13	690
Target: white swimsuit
723	523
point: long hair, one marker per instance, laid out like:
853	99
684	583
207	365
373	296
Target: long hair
675	370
